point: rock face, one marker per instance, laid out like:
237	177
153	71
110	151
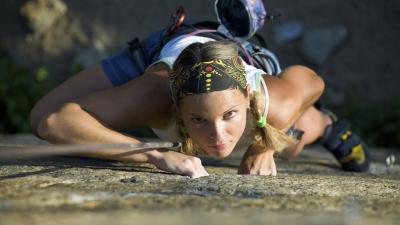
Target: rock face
309	190
319	43
90	56
372	27
42	14
288	31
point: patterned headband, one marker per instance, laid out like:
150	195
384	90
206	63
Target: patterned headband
214	75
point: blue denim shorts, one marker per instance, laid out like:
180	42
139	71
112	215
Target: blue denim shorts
122	68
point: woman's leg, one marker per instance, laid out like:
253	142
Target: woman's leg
336	136
81	84
313	123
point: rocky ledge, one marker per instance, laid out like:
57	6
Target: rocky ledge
308	190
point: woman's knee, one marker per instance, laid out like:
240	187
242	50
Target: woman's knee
50	126
307	75
311	123
85	82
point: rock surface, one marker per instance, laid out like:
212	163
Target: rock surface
288	31
42	14
371	46
318	44
309	190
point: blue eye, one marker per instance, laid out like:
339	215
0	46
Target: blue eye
230	114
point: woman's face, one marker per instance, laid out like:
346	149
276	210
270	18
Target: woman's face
216	120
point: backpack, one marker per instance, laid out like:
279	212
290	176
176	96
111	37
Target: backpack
144	53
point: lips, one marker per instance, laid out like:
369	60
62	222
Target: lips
218	147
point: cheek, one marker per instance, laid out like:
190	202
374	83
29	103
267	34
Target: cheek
238	124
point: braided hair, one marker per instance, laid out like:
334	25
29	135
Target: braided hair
192	73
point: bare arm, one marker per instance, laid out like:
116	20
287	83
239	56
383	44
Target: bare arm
96	117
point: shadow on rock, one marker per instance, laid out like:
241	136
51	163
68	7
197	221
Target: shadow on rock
62	163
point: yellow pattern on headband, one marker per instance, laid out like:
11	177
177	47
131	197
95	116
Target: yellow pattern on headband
214	75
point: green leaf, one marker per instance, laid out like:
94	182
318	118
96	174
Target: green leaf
42	73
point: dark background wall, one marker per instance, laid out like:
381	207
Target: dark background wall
361	71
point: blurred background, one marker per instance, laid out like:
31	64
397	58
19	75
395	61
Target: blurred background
353	45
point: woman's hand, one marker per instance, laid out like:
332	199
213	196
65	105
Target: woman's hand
257	161
178	163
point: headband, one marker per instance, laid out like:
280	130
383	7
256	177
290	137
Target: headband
208	76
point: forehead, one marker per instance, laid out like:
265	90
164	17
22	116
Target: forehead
216	101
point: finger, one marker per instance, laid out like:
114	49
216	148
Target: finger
257	171
265	172
274	171
199	172
202	170
198	175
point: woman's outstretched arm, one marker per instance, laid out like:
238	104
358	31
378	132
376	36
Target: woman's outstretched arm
95	118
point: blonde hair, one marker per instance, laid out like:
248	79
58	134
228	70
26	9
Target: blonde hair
268	137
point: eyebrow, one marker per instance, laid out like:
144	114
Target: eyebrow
192	114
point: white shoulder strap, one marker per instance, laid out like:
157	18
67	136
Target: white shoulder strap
266	96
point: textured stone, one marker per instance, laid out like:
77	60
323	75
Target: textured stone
319	43
308	190
42	14
89	56
288	31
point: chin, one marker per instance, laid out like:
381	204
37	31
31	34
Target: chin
218	153
221	156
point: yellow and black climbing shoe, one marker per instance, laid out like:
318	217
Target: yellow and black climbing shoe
346	146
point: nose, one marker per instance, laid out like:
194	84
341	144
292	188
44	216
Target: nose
216	132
